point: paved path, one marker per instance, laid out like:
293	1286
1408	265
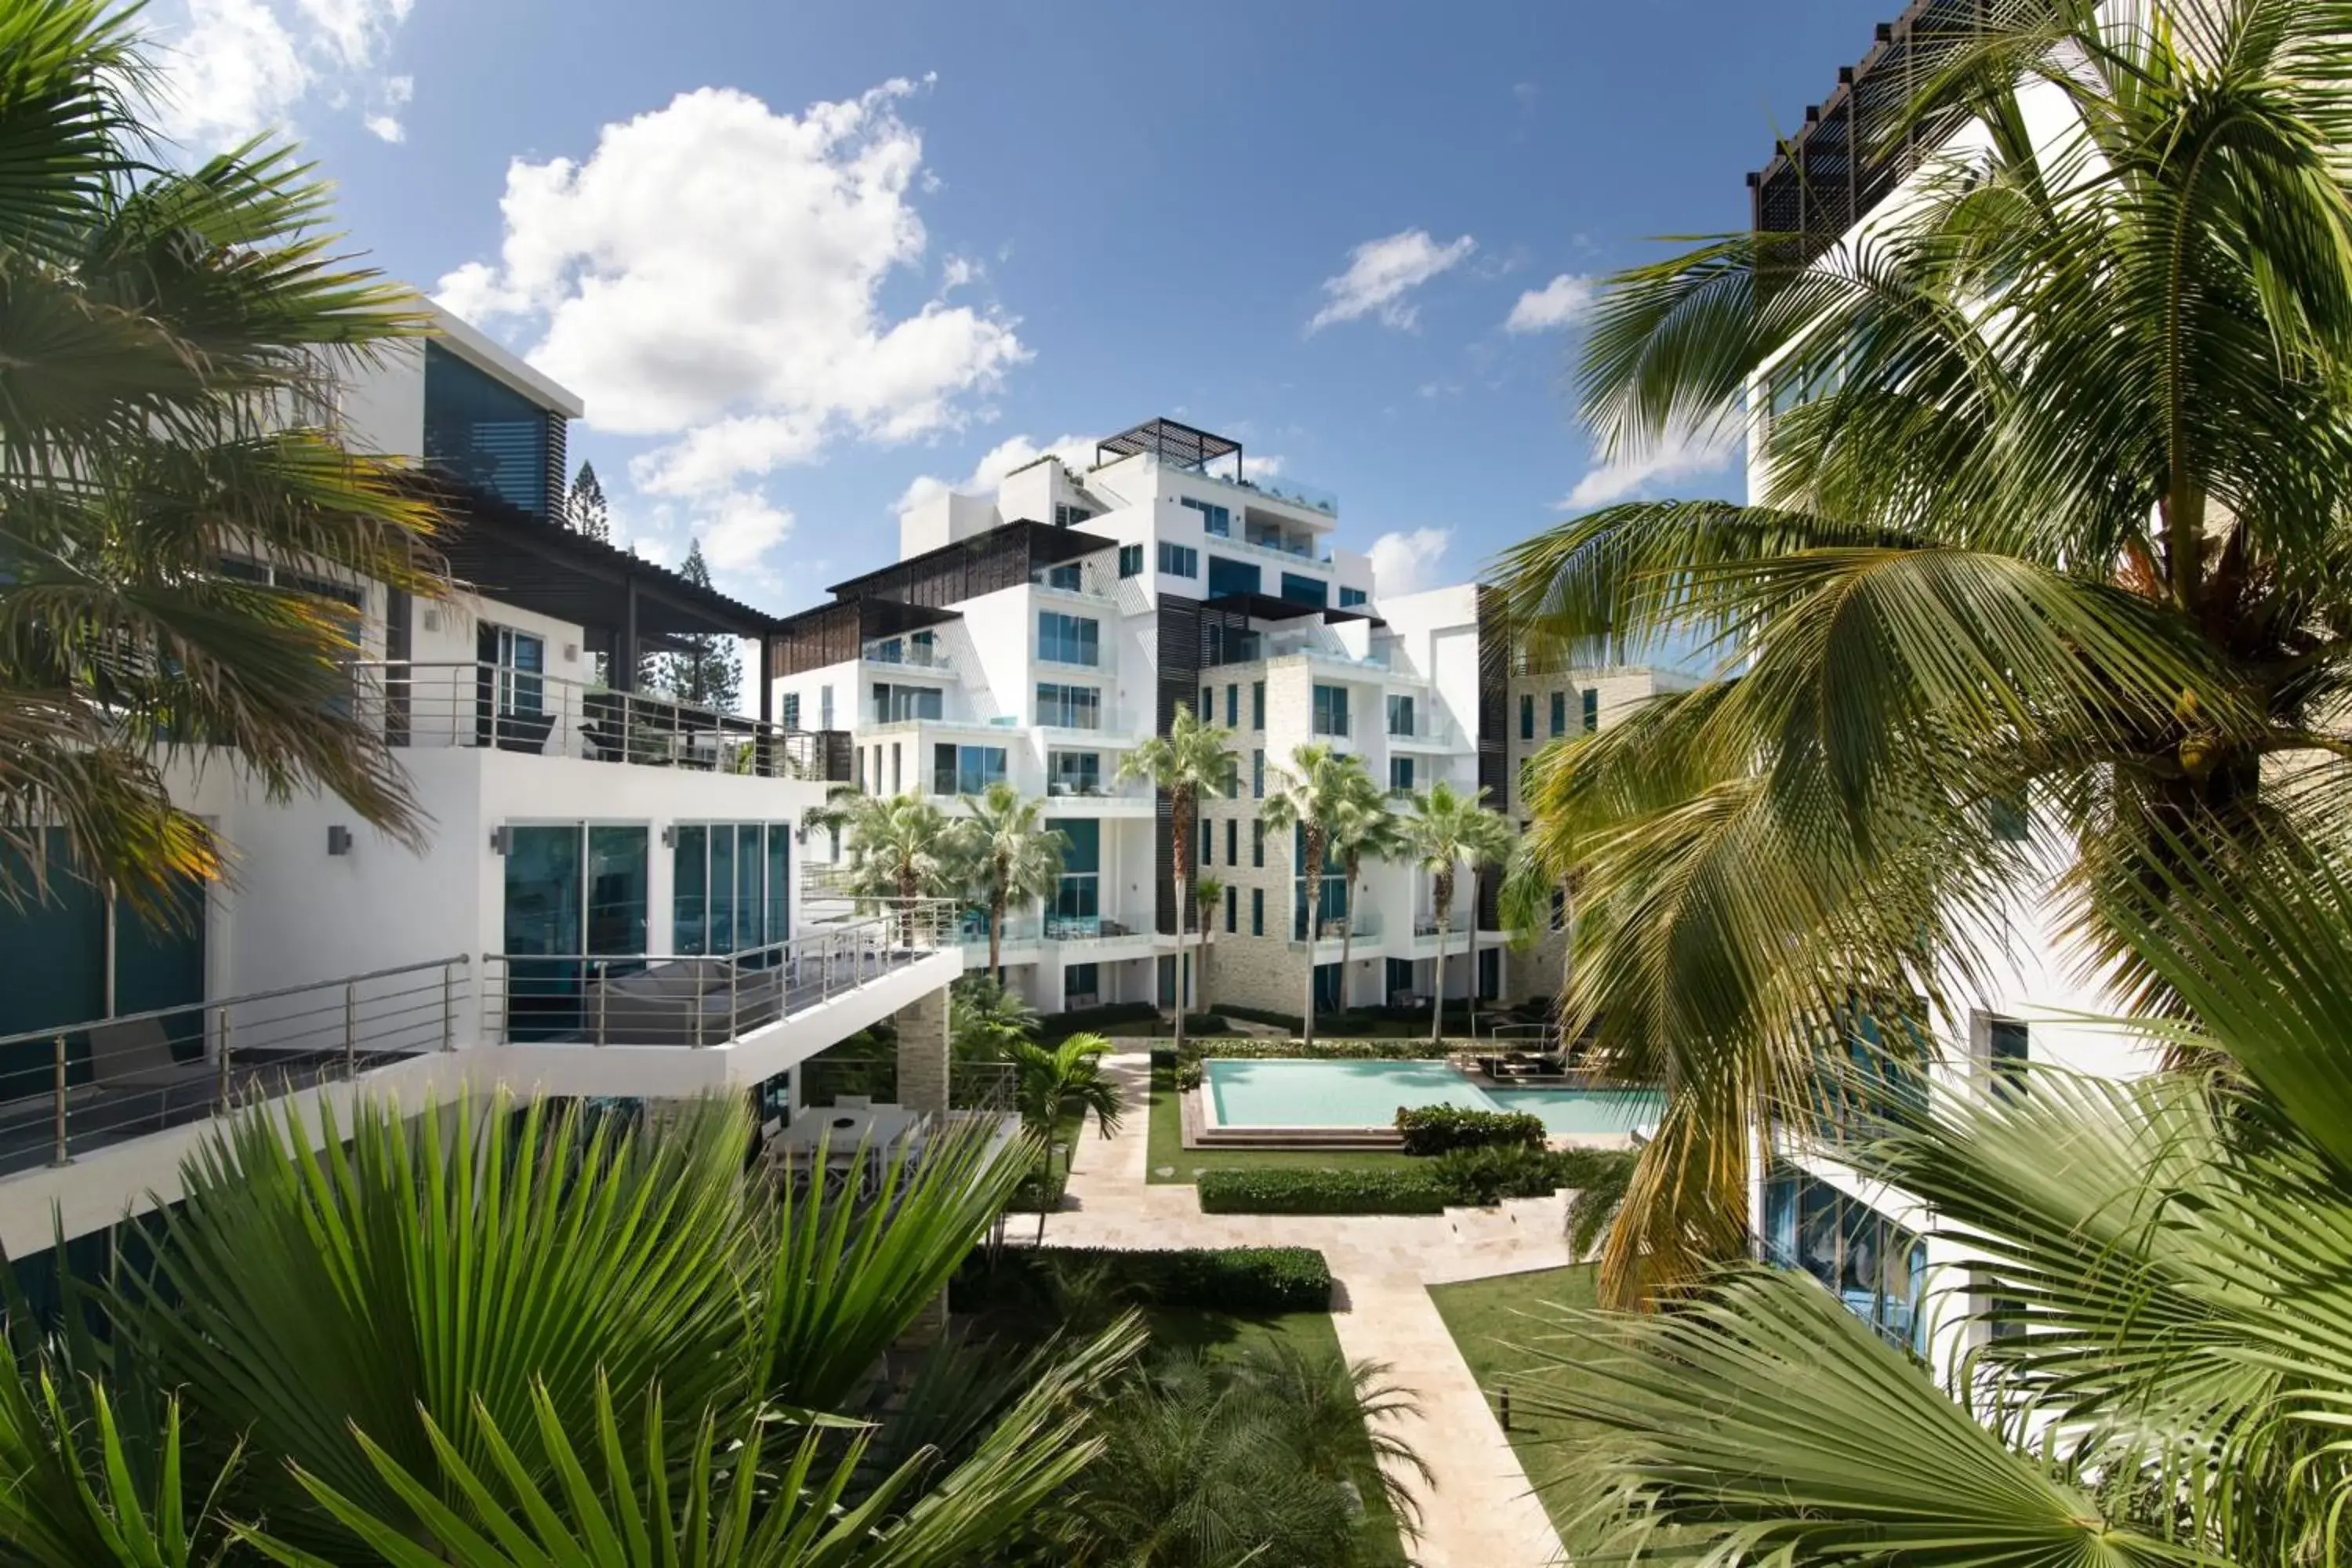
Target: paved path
1481	1514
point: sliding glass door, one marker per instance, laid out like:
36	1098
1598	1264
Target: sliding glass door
575	906
730	887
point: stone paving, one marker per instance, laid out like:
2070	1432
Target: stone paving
1481	1514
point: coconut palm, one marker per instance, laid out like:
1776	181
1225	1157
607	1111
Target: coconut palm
1362	829
1208	896
2152	1276
168	365
432	1338
2052	514
1448	830
1012	856
1189	763
1309	798
902	848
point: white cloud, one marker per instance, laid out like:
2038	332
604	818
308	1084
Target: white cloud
1017	452
230	70
1558	304
1381	272
1677	455
1264	468
712	274
1406	563
739	531
384	128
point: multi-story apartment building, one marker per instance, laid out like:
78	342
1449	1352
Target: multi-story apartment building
2025	998
609	875
1037	634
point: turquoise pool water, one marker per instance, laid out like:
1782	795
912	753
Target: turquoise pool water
1295	1093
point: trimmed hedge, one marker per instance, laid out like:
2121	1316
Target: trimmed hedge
1099	1020
1359	1050
1437	1129
1246	1191
1481	1178
1247	1280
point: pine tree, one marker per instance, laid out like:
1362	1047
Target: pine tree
711	672
583	509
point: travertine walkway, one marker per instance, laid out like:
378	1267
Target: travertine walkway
1481	1514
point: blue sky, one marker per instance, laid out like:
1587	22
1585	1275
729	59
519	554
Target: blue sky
800	258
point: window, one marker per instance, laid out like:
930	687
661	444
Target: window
792	710
1257	911
1232	908
1232	707
1233	839
1076	910
1399	976
1207	711
1526	716
1063	707
1066	577
897	704
1231	577
1257	775
1069	640
570	890
728	882
1333	905
1257	707
1305	590
1066	515
520	662
1130	560
1214	519
1073	772
1399	775
1208	855
2007	1049
1179	560
1876	1267
1559	910
1081	984
1592	709
1559	713
1330	710
898	780
966	770
1400	715
1351	597
824	707
1257	841
482	432
2006	816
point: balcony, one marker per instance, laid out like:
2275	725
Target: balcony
1302	555
494	708
1428	729
1087	934
1277	647
1020	931
1093	577
1362	926
901	653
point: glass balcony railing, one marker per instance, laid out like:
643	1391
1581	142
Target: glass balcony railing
911	655
1361	926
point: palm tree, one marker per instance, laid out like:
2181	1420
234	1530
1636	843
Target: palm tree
1063	1083
1187	765
431	1339
985	1019
173	343
902	848
2156	1268
1014	856
1449	829
2056	522
1362	828
1208	894
1310	797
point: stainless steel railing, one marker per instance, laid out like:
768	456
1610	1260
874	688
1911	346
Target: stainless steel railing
77	1085
696	1000
492	707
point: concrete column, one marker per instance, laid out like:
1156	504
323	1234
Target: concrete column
923	1052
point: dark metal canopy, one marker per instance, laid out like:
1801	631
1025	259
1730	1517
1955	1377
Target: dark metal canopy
1000	558
1266	608
1170	442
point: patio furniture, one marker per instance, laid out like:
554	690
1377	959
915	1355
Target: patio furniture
684	1003
137	1054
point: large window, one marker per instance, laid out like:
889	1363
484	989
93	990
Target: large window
1077	901
513	681
1233	577
1063	707
1069	640
2008	1048
1351	597
1305	590
1334	888
1330	710
575	895
483	432
1214	519
1400	715
1081	985
1130	560
1073	772
965	770
728	882
897	704
1179	560
1874	1266
1399	775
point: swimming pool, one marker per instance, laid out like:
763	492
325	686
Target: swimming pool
1290	1092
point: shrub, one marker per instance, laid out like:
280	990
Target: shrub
1224	1278
1102	1020
1188	1074
1582	1168
1436	1129
1245	1046
1245	1191
1482	1178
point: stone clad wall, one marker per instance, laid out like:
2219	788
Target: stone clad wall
923	1052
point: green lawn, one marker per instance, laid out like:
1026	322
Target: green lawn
1488	1320
1171	1162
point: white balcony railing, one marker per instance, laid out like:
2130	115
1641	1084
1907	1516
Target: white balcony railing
494	708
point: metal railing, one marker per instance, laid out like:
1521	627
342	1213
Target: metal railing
1455	924
78	1086
1364	924
826	1079
1088	928
491	707
1017	928
694	1000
